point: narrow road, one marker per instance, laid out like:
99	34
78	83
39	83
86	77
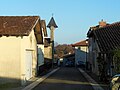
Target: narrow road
66	78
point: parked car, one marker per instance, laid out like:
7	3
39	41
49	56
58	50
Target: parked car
80	64
115	82
69	64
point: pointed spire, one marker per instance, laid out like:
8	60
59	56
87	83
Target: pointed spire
52	23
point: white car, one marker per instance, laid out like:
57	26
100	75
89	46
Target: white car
115	82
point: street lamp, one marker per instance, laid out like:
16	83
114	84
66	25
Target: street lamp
52	25
86	54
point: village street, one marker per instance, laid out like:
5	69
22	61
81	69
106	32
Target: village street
66	78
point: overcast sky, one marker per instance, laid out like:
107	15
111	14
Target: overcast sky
73	17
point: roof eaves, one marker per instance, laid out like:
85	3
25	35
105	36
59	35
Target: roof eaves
38	18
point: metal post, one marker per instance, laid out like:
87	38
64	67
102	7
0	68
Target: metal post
52	54
86	60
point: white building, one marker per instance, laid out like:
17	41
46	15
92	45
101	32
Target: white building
19	37
81	50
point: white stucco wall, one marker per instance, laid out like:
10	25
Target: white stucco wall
10	57
47	52
92	56
30	43
13	56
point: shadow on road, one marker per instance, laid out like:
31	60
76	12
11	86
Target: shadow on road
65	78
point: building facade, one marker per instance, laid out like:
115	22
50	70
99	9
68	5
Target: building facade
102	43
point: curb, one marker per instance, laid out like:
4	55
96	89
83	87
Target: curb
92	82
34	84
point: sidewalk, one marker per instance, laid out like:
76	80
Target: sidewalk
34	81
104	85
34	84
94	80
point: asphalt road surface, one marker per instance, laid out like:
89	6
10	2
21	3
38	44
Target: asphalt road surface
66	78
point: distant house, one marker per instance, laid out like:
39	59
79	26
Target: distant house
47	48
47	52
20	40
41	48
81	50
102	42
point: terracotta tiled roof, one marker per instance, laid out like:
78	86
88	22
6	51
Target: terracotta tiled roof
108	37
17	25
81	43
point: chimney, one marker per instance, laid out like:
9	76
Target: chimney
102	23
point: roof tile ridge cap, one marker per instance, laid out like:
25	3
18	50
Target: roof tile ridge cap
34	23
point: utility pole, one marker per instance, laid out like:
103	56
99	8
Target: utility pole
52	25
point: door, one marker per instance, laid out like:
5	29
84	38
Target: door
28	65
40	57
